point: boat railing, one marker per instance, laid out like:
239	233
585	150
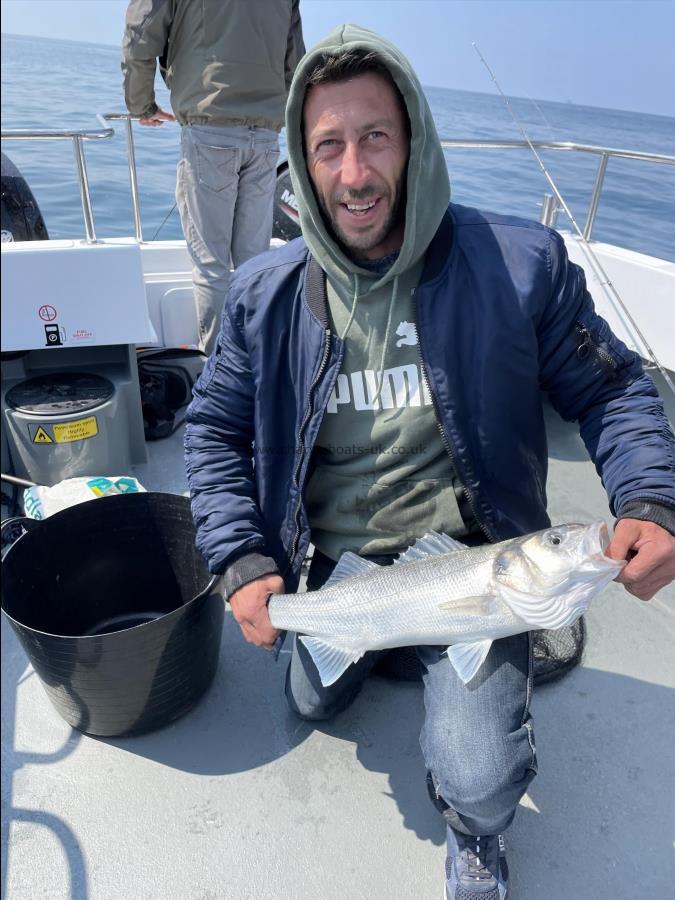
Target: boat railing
549	211
550	207
131	159
78	137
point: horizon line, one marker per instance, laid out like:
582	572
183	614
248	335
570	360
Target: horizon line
433	86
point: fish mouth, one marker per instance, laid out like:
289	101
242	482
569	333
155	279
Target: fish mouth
595	543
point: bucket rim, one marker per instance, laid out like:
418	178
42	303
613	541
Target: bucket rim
140	497
83	637
143	496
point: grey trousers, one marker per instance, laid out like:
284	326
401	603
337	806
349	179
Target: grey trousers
225	196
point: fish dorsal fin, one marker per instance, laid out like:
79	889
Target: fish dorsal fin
330	660
432	544
349	565
468	658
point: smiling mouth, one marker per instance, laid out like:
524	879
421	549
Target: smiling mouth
360	210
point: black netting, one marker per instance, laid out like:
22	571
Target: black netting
555	654
400	664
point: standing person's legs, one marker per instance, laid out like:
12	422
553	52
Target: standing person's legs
206	194
254	209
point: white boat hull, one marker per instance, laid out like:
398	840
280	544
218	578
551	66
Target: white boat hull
646	286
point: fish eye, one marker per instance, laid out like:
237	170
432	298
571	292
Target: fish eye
554	538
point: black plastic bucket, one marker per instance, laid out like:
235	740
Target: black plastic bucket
114	608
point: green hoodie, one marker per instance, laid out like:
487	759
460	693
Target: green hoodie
381	475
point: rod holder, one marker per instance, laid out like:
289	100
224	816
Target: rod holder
549	211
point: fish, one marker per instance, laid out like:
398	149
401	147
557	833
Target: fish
441	592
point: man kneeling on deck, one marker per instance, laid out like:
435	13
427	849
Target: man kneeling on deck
380	378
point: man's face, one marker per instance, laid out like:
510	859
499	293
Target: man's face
356	143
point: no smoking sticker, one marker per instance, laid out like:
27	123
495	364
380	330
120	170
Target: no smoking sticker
47	313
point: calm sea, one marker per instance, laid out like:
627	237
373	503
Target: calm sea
58	84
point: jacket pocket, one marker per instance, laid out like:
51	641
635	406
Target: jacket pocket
594	343
216	167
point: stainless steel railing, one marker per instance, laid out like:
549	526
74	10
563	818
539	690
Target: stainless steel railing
131	159
78	138
603	152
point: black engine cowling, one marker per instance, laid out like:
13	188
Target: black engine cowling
286	219
21	218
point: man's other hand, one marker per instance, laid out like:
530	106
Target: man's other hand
249	606
157	118
650	551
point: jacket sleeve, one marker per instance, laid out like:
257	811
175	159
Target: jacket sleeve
219	461
593	378
295	46
145	37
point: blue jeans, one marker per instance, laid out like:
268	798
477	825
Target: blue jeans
477	739
225	196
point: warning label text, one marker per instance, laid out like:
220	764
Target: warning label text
65	432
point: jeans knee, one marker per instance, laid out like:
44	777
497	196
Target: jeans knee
310	712
310	706
313	715
481	789
474	775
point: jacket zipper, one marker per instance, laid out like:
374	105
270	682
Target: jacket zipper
586	345
446	441
301	440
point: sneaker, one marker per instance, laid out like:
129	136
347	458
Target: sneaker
476	867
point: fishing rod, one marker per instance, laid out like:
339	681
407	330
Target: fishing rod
603	279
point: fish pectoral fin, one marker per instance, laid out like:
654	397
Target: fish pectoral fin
330	660
480	605
349	565
468	658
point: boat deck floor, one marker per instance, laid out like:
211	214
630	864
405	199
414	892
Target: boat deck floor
239	799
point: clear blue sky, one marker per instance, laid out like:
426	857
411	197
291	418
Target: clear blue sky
613	53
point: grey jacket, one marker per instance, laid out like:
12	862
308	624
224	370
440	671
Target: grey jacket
226	62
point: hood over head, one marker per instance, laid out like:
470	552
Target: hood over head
428	185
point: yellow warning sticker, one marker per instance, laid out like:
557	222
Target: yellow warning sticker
41	437
75	431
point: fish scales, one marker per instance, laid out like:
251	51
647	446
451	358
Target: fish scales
395	603
443	593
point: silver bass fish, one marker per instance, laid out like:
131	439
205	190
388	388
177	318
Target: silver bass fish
442	592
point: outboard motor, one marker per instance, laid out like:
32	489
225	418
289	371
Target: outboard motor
21	216
286	219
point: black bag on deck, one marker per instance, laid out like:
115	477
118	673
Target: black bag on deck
166	377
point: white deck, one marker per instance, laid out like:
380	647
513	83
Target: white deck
241	800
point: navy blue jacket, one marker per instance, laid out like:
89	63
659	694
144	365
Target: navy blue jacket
502	315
